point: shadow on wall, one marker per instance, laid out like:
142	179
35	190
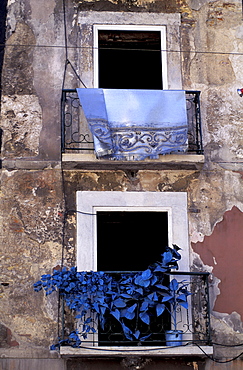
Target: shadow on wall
3	15
1	135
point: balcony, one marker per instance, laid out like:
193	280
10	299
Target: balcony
194	322
78	144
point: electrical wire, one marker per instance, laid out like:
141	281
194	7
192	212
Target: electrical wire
227	345
138	349
83	213
217	360
124	49
154	349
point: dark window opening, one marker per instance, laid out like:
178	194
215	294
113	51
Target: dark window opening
131	241
130	60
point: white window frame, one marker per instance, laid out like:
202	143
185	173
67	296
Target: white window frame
120	27
90	202
89	22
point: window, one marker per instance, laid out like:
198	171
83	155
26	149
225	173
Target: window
129	241
172	206
129	235
160	31
130	57
127	231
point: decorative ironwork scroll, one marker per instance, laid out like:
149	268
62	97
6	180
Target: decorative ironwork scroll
139	143
135	124
77	136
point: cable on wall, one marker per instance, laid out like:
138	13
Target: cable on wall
215	52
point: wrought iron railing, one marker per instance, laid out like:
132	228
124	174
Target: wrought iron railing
76	136
194	322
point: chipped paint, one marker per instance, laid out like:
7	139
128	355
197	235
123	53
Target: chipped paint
223	246
31	199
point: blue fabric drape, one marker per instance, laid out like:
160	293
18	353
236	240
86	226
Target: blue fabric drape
135	124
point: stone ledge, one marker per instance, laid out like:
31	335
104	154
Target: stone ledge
29	164
165	162
181	351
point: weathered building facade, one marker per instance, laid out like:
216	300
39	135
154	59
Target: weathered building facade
48	173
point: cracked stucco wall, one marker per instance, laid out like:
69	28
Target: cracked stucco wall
31	198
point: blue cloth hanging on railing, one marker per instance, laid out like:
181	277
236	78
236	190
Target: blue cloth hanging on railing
135	124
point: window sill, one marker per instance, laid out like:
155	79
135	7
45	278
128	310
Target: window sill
169	161
182	351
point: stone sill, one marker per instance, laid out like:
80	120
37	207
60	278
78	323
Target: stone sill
165	162
29	164
181	351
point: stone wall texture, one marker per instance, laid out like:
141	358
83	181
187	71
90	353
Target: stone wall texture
36	189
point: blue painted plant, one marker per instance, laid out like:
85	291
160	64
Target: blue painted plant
176	295
95	295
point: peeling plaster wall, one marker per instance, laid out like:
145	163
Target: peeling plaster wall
32	80
30	238
32	183
221	250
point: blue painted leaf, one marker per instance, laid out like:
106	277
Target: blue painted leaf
182	297
119	303
137	334
123	312
160	309
88	320
146	274
144	317
127	332
38	283
160	286
143	280
124	295
154	279
96	307
146	337
116	314
138	280
132	308
129	315
168	298
160	269
146	283
103	309
153	296
129	312
167	257
184	304
102	322
73	335
53	347
139	290
174	285
144	306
